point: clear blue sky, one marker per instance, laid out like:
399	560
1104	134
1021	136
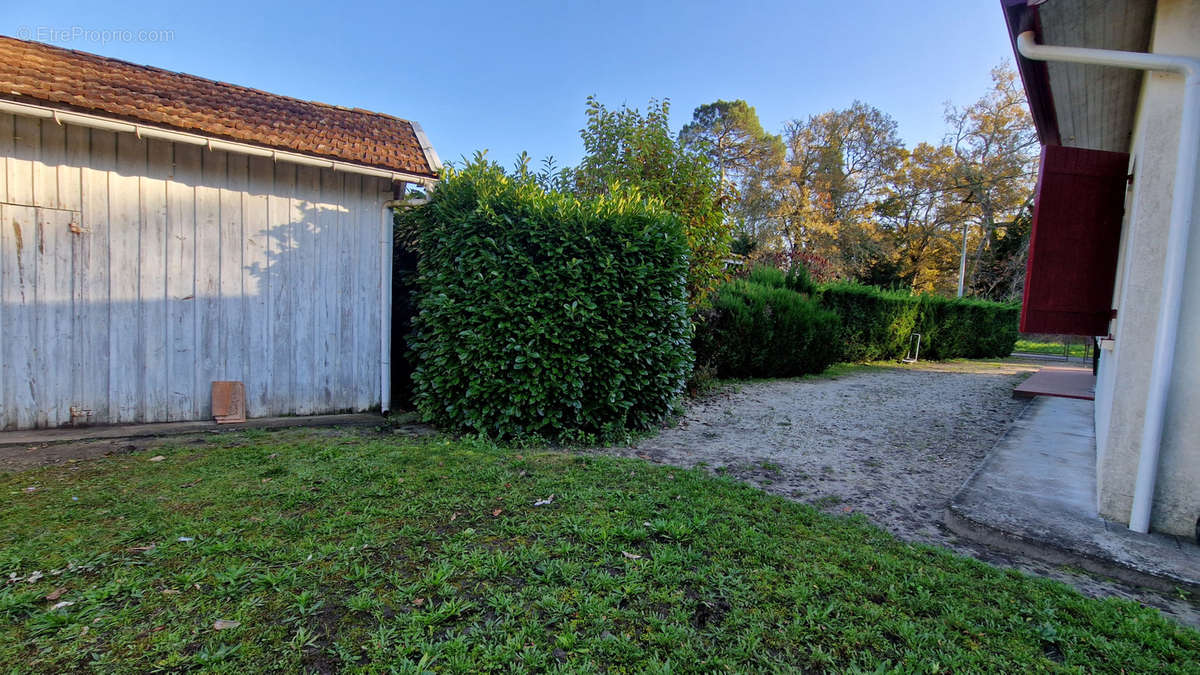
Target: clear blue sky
512	76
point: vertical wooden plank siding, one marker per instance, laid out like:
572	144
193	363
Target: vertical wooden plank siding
369	205
93	314
181	283
70	191
55	254
134	273
343	287
304	254
50	150
325	340
209	364
281	287
26	136
256	284
152	284
124	248
20	335
233	310
6	141
6	152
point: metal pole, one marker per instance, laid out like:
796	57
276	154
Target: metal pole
962	264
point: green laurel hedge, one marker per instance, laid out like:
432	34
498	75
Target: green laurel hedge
761	328
877	324
543	315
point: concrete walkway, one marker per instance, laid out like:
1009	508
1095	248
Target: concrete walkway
1035	494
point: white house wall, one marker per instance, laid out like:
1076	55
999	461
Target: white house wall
1123	384
134	273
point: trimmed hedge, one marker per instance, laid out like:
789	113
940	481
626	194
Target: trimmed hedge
541	315
765	330
876	324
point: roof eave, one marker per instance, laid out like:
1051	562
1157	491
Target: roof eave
1019	17
64	114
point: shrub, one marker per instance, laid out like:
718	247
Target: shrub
542	315
795	279
876	324
765	330
627	148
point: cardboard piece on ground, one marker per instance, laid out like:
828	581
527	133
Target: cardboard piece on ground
228	402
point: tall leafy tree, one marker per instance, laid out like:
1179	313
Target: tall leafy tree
920	213
626	147
996	151
731	136
838	166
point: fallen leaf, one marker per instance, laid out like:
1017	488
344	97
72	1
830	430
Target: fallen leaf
454	516
141	549
266	480
222	624
418	601
497	512
170	591
35	576
192	484
56	593
631	556
157	458
544	502
60	605
273	455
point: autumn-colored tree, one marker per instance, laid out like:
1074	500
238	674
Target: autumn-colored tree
996	152
838	166
921	214
625	147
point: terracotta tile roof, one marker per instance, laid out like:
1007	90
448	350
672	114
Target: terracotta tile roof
33	72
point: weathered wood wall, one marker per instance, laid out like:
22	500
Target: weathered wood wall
135	272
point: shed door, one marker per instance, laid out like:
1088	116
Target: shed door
1076	235
38	371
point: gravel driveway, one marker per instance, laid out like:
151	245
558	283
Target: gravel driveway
892	443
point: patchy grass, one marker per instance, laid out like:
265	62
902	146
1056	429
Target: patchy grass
374	553
1053	348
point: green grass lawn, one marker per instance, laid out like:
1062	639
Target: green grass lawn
366	551
1055	348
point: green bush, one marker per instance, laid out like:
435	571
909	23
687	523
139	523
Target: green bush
796	279
759	328
542	315
877	324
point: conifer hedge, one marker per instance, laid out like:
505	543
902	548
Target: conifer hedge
773	324
877	324
542	315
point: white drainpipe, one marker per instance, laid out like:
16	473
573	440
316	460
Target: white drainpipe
1182	202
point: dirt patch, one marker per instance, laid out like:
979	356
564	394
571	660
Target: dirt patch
892	443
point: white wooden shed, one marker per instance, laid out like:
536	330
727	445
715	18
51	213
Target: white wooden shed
159	232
